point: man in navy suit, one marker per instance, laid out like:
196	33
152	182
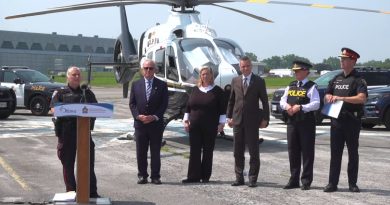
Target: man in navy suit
148	102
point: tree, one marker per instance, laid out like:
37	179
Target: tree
283	62
333	62
252	56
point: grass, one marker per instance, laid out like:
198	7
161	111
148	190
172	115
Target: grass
107	79
102	79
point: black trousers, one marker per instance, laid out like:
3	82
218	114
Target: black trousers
301	140
344	130
66	151
244	135
149	136
202	141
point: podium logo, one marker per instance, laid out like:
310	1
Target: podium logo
85	109
65	110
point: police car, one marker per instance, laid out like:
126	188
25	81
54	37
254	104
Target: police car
33	90
7	102
377	108
375	78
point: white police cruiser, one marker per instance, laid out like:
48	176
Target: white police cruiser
33	89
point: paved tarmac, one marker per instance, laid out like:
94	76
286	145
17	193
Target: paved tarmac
30	171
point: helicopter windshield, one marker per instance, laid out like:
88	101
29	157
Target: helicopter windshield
197	53
228	51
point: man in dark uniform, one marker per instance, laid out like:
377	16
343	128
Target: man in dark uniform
66	130
350	88
299	101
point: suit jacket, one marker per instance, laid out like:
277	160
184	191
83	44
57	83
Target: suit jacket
157	104
244	107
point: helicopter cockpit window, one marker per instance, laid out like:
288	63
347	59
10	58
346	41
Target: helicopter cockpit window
196	53
228	51
160	62
172	73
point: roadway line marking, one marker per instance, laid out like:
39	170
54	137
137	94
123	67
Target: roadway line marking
14	175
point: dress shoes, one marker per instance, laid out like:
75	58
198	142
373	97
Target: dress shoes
156	181
330	188
238	183
291	185
353	188
252	184
186	181
142	180
305	187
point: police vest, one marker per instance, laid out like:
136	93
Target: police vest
298	95
68	95
347	86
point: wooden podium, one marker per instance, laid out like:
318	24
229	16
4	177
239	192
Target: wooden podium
83	112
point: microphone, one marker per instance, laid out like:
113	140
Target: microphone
83	87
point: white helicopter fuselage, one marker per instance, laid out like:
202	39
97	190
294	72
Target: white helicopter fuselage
188	45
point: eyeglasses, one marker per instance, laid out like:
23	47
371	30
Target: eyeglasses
148	68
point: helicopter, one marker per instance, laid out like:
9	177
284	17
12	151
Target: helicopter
179	47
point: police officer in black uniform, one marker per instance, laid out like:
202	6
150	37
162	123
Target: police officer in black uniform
352	89
66	130
299	101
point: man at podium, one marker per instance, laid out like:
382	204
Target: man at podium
66	129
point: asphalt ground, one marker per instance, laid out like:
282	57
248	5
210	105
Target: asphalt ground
30	172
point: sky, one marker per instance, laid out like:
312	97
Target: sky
313	33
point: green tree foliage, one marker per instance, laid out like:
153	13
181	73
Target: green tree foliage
330	63
333	62
283	62
252	56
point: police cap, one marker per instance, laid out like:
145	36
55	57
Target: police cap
349	53
300	65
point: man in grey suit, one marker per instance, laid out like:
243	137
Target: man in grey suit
246	117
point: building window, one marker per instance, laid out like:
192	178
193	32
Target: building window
36	46
50	47
7	44
63	47
22	45
110	50
76	48
100	49
88	49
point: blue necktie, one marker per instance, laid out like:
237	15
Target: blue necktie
148	89
245	83
299	83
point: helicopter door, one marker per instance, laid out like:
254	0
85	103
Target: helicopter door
160	62
170	65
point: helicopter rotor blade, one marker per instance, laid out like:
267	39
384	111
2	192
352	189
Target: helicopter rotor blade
314	5
186	3
87	6
245	13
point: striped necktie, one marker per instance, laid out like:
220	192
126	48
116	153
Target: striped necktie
148	89
245	83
